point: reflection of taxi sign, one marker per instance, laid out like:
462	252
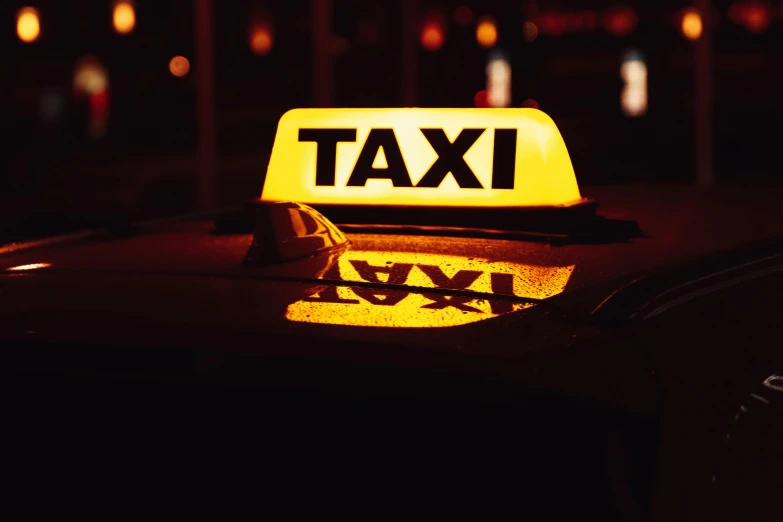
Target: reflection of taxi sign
394	291
508	158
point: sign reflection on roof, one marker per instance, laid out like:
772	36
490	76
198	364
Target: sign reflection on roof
393	290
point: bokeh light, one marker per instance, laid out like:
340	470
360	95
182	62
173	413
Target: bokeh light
481	99
261	40
691	24
530	31
552	23
89	76
499	80
486	32
91	80
28	25
179	66
620	22
123	17
530	103
432	35
51	106
753	15
633	71
757	17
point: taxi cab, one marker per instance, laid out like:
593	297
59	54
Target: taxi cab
421	315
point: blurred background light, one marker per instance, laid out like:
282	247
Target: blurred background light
753	15
28	25
390	54
690	24
530	103
179	66
261	39
89	77
620	22
433	32
481	99
260	32
633	71
499	80
99	114
552	23
51	106
486	32
91	80
530	31
123	17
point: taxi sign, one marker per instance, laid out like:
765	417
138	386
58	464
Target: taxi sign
491	158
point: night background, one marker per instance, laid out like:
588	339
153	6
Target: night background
108	112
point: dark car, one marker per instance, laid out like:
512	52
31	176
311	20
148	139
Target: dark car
564	363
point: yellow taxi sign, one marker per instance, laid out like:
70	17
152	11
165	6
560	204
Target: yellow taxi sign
507	158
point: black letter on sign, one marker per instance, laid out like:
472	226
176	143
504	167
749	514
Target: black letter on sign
326	151
504	158
460	281
396	274
395	169
450	158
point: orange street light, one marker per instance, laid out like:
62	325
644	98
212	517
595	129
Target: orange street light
486	32
261	39
691	24
123	17
28	25
432	34
179	66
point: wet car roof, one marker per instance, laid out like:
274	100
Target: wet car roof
197	272
179	285
678	223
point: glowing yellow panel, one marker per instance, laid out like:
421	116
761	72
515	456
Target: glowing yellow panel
421	157
410	312
399	306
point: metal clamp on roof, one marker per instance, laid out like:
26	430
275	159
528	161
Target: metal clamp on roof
285	231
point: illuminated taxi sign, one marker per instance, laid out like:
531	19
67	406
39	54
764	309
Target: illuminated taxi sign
420	157
394	291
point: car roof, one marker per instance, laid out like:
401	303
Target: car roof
182	286
677	223
186	262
